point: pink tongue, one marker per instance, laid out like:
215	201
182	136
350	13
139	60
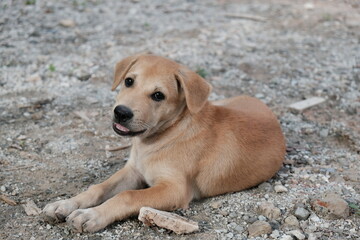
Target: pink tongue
121	128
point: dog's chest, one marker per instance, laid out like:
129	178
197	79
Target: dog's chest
145	163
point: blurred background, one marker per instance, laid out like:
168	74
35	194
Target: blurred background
56	69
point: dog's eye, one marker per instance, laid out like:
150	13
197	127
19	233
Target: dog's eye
129	82
158	96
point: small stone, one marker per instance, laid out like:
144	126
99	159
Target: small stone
330	206
262	218
297	233
3	188
48	226
302	213
314	218
275	234
269	210
292	221
265	187
252	219
229	235
324	133
309	6
224	213
67	23
259	228
34	78
233	215
216	204
31	209
84	77
312	236
274	224
239	229
305	104
286	237
280	189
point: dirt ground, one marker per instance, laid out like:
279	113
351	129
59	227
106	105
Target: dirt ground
56	63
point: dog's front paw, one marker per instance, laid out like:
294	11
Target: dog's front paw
58	211
87	220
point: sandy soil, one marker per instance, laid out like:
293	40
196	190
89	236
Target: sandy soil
56	62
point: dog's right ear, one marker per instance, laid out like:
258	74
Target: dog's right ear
121	69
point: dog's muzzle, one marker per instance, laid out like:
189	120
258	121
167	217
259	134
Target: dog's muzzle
122	117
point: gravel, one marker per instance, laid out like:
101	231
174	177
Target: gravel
56	63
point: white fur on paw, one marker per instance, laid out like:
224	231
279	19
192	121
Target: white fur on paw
58	211
86	220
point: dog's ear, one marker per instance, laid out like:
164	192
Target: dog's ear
196	89
121	69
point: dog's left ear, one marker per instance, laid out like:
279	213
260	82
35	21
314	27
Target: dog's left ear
121	69
196	89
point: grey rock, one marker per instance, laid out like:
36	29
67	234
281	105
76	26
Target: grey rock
286	237
301	213
265	187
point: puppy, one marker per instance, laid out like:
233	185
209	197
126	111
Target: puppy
183	146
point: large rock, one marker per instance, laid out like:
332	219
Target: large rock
259	228
330	206
268	210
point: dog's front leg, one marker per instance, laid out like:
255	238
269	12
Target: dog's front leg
125	179
164	196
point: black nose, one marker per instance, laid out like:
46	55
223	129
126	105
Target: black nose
122	114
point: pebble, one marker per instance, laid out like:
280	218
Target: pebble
262	218
233	215
259	228
292	221
67	23
297	233
331	206
314	218
274	224
280	189
301	213
3	188
266	187
312	236
34	78
275	234
229	235
239	229
324	132
268	210
286	237
216	204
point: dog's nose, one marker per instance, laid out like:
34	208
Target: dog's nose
122	114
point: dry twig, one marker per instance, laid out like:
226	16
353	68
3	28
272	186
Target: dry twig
7	200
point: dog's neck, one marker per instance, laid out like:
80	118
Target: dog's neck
186	124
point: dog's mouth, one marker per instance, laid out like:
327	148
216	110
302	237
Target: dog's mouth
123	131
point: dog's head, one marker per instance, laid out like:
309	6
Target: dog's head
154	92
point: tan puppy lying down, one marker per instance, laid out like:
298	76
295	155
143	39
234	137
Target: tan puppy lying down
183	147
